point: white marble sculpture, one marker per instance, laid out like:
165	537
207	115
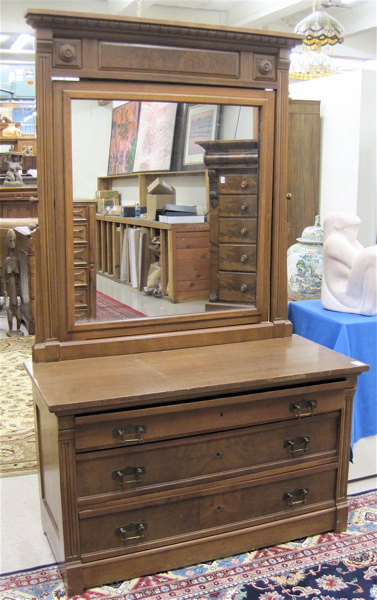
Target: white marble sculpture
349	275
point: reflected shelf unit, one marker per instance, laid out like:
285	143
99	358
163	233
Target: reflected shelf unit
184	254
136	185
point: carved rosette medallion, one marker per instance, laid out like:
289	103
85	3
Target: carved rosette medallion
264	67
68	53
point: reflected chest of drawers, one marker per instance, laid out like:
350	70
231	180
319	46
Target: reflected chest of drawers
238	233
155	461
84	252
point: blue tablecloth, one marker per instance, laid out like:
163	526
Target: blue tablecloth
352	335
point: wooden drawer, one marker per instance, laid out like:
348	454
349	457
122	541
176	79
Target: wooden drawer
132	427
238	206
80	232
81	298
81	253
237	230
163	465
192	270
192	239
190	254
238	184
237	287
237	257
80	212
19	210
176	517
80	276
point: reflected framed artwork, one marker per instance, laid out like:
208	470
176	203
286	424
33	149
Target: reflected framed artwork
123	138
202	122
155	136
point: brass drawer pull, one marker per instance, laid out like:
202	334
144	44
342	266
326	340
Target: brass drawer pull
296	496
301	442
244	207
137	528
244	231
244	183
243	287
297	407
138	429
244	258
137	472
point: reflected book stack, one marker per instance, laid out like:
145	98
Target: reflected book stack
176	213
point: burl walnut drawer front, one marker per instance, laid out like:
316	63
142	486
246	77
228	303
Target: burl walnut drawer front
238	206
238	184
123	428
238	231
238	257
149	522
237	287
177	462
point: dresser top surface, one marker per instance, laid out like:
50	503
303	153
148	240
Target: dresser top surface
87	385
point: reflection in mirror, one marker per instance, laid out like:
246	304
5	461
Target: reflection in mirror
129	156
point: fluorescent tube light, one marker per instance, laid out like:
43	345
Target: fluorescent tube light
21	41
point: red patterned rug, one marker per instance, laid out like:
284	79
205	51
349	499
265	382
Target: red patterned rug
324	567
109	309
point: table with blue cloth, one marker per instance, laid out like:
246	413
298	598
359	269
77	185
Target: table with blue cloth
352	335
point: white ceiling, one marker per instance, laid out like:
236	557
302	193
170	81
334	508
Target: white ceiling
357	16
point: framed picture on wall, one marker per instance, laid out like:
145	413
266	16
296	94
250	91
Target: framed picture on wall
155	136
202	122
123	138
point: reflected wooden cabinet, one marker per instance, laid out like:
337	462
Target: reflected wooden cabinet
18	202
183	255
84	242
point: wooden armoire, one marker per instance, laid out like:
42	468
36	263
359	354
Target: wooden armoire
168	441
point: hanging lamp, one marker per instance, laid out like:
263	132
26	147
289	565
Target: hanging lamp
320	28
311	64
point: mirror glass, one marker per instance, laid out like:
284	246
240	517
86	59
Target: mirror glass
119	150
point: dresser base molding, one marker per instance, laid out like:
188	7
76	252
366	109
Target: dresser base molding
161	460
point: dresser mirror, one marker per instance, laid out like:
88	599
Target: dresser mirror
87	115
88	65
102	124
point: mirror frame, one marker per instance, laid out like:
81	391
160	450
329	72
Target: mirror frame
261	99
249	66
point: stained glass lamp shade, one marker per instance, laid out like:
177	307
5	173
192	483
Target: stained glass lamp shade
320	29
310	64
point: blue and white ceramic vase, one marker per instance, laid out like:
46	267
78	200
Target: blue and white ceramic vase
305	264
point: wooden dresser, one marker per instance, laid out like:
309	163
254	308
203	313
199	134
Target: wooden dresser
159	460
169	441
